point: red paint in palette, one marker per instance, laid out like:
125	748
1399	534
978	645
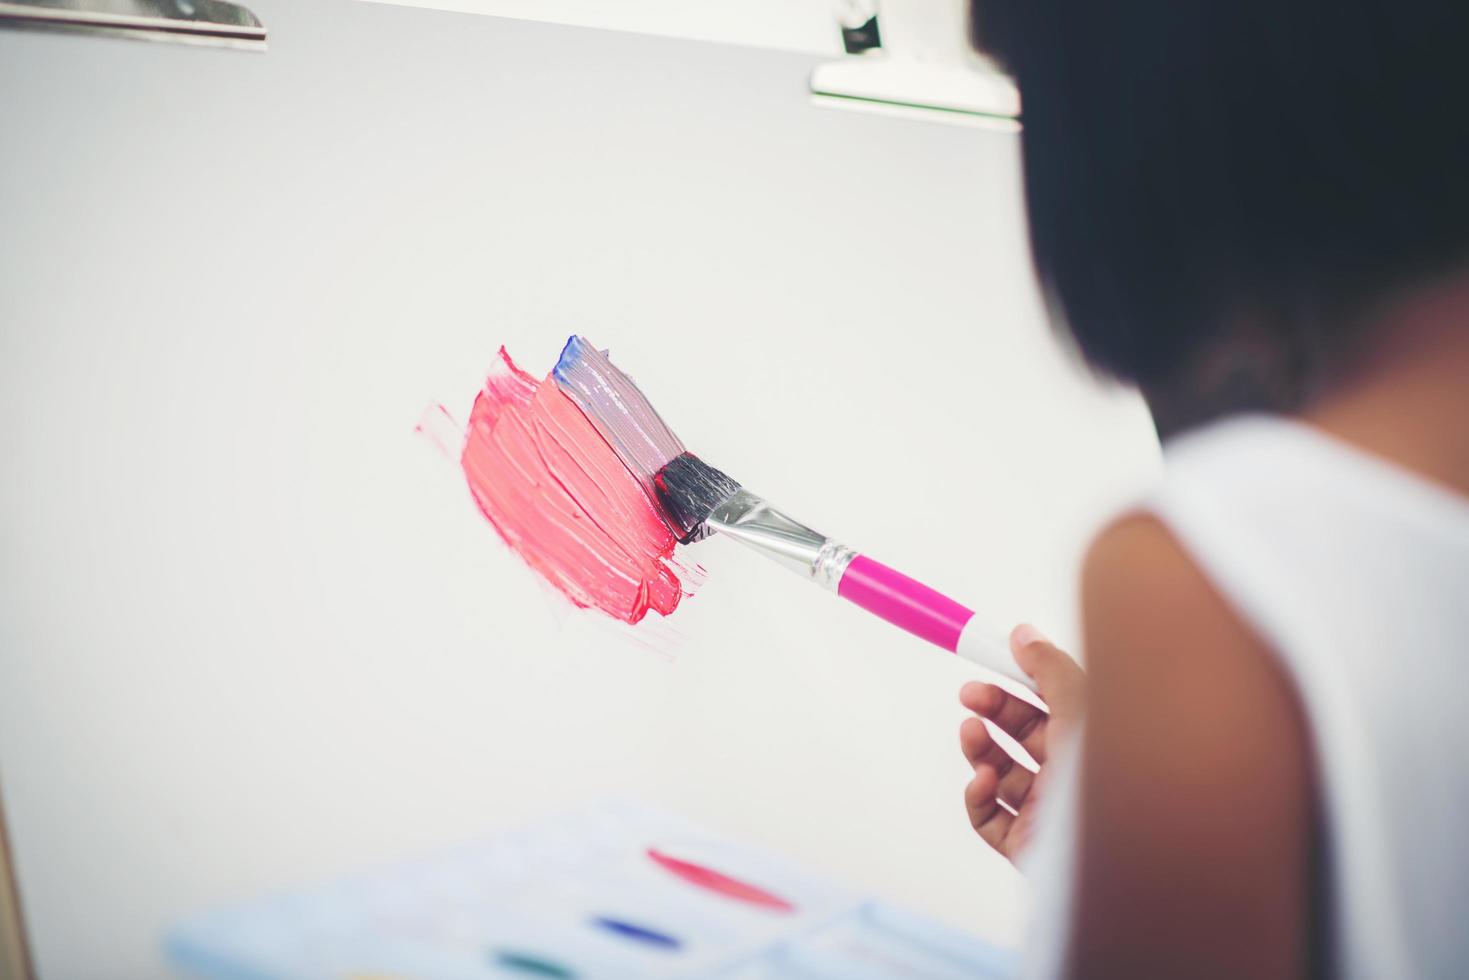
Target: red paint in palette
719	882
562	499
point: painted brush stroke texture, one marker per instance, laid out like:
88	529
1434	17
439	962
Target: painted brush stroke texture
560	497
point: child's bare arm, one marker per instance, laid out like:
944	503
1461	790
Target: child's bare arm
1196	794
1197	790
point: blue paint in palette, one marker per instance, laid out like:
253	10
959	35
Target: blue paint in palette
637	933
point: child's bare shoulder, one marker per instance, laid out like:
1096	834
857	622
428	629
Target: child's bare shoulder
1195	767
1156	624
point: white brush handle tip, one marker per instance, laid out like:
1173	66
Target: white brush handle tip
981	644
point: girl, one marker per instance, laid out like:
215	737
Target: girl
1258	213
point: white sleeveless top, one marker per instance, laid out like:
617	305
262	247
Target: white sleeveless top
1356	573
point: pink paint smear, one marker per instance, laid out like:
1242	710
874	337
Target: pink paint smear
560	497
719	883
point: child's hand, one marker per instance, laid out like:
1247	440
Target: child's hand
997	776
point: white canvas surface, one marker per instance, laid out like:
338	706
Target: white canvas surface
252	629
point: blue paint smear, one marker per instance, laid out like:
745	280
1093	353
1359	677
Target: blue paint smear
637	933
570	354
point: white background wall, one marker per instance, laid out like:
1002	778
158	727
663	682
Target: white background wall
252	630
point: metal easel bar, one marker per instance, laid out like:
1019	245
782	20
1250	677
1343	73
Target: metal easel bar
210	22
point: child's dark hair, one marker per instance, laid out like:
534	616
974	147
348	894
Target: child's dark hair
1221	190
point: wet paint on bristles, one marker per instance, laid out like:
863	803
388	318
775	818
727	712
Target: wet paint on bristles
689	490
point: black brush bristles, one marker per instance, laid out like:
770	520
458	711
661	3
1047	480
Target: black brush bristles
689	489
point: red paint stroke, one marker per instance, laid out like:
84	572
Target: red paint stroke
719	883
560	497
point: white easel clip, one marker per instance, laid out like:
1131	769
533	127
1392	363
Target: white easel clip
924	68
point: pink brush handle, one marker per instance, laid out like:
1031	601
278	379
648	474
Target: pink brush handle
933	616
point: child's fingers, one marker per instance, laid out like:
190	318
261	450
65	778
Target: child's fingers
1019	719
981	698
980	748
1020	831
988	818
1058	678
1015	785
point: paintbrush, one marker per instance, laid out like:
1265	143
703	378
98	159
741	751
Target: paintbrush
696	500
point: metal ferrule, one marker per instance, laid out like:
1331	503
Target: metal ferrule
755	524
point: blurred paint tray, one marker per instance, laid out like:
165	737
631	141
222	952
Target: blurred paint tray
617	891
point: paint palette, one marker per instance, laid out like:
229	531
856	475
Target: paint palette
614	891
